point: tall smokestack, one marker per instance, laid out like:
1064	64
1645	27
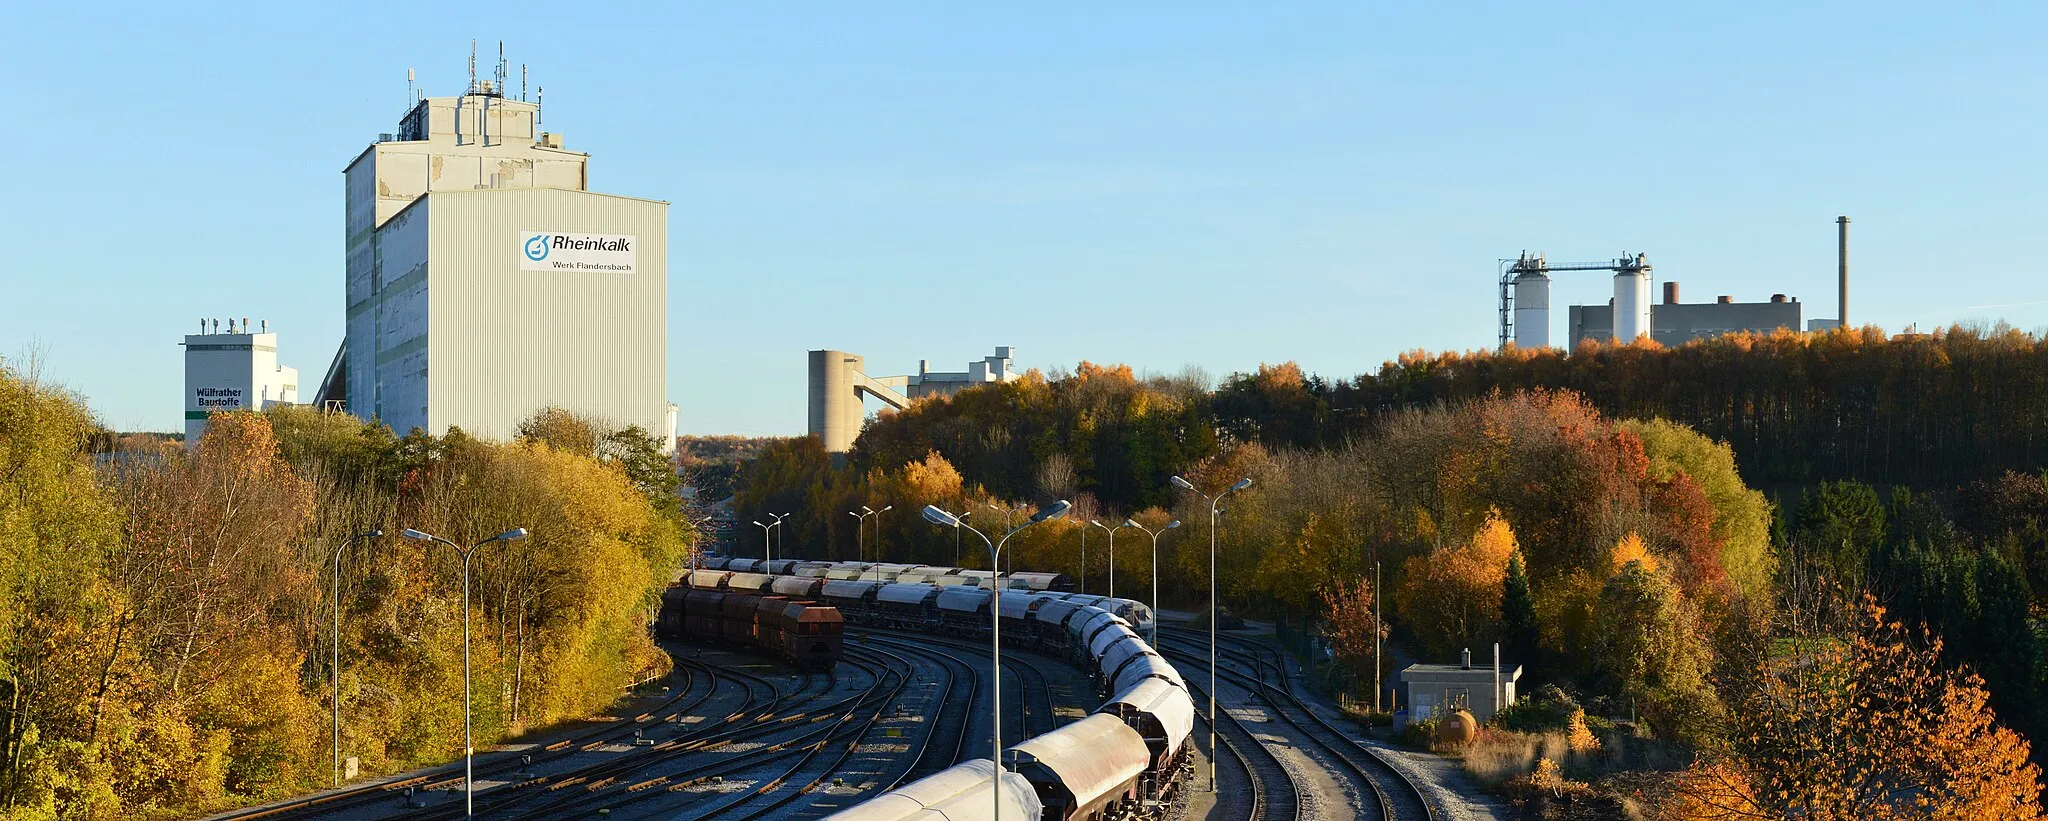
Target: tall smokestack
1671	292
1842	260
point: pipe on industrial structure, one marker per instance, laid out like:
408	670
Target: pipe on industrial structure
1842	263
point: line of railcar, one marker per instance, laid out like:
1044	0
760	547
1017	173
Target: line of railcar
807	634
1135	612
1123	762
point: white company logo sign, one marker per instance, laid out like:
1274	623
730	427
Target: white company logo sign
554	251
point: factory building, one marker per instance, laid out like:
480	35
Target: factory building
235	370
1675	323
1525	304
485	280
839	383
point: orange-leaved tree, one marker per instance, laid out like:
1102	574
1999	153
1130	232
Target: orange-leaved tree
1355	628
1450	598
1867	724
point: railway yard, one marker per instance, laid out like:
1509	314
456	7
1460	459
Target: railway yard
738	731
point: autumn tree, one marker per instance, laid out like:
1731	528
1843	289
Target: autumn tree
1650	649
1866	724
1451	598
1354	624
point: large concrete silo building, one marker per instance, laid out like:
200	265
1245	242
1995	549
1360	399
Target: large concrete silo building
485	280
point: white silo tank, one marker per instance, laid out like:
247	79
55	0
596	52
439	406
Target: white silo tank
1532	310
1631	304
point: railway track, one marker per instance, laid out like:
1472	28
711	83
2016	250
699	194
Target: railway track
1258	670
1275	795
680	702
668	769
542	786
1035	713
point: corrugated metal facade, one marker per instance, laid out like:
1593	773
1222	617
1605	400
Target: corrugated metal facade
505	342
445	328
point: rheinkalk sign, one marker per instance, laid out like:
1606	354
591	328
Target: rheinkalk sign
557	251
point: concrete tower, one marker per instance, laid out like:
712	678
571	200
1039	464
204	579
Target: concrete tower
1532	310
835	409
1632	302
839	383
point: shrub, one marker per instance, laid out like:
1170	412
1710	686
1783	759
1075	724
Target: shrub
1548	709
1420	735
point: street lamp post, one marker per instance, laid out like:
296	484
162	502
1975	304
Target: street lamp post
956	535
1008	521
933	514
335	670
778	517
468	740
1112	553
1084	560
1213	500
860	532
765	548
701	525
1155	568
878	530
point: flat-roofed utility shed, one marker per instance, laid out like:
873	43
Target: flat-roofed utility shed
1436	690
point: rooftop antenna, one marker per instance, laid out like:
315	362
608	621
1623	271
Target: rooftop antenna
522	82
408	87
501	67
472	66
538	92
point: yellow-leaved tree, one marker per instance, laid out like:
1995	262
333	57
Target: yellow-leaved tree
1450	598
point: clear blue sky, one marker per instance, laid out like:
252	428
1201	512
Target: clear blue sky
1159	184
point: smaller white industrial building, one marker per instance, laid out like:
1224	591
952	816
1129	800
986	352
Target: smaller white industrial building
1437	690
236	370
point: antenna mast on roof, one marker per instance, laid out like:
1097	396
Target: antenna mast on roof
522	82
538	92
408	88
472	67
501	68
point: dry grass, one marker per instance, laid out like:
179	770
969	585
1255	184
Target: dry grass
1497	756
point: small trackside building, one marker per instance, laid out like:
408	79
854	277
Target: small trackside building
1437	690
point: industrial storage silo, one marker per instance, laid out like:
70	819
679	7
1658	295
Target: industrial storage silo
1632	301
1532	310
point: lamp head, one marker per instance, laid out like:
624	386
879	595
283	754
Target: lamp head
933	514
376	533
1130	523
417	536
1245	483
1054	511
853	514
886	508
1171	525
757	523
513	535
866	509
1181	483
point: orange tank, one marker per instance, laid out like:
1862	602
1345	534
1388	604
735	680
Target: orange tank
1457	729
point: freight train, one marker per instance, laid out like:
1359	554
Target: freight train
807	635
1117	763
